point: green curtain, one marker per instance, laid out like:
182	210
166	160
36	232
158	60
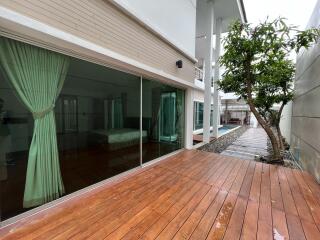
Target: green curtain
118	113
37	76
180	116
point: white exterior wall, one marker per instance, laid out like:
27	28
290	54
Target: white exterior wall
175	20
285	122
305	131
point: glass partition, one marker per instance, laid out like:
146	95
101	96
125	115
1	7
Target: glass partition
197	115
162	119
66	124
98	128
96	123
16	129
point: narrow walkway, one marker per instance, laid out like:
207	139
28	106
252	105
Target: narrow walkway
253	142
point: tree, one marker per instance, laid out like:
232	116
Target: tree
279	90
259	69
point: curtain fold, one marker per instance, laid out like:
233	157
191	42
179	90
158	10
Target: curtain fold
37	76
156	104
118	113
180	116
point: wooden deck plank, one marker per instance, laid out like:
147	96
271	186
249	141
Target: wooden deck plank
295	228
192	195
236	221
310	196
311	182
250	224
105	196
280	229
189	226
264	231
256	184
246	185
208	219
311	231
300	203
211	179
172	228
276	196
233	175
236	186
220	224
126	208
166	218
265	206
228	174
210	171
108	227
289	204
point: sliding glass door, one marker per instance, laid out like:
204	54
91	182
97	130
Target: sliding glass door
167	126
162	119
96	131
90	117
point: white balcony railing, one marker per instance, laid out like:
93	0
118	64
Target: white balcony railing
199	74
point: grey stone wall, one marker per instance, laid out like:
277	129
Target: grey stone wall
305	125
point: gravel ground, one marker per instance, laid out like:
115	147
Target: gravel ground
220	144
288	159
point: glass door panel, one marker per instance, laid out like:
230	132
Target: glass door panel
162	119
168	117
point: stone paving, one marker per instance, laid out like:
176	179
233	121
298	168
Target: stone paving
251	143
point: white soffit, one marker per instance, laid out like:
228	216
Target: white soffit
23	28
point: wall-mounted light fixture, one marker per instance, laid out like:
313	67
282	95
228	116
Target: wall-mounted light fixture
179	63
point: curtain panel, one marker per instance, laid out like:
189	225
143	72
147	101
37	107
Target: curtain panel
118	113
180	108
37	75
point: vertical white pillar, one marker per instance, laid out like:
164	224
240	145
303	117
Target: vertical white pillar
208	71
216	110
189	119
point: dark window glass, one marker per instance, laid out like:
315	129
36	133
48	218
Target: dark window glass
97	124
198	113
162	119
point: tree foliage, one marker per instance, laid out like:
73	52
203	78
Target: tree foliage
258	67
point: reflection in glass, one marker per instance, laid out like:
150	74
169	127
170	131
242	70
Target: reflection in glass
198	109
162	119
97	118
198	115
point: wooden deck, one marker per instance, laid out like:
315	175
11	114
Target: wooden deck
193	195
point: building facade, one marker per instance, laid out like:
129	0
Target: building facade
93	89
305	120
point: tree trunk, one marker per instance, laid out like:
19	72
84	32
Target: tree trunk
281	143
280	138
276	157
